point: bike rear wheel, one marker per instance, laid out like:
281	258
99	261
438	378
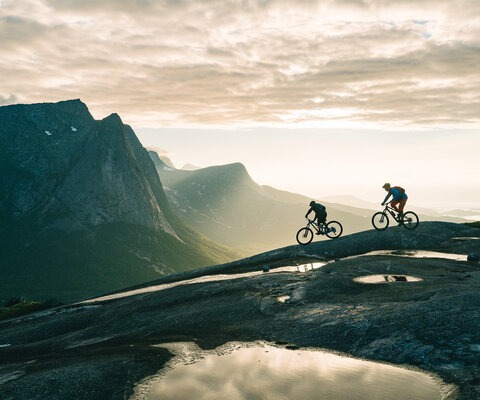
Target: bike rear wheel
304	236
410	220
334	229
380	221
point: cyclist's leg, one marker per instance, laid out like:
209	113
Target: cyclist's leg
402	205
319	223
321	219
394	203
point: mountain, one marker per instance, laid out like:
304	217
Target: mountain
226	205
352	201
82	208
471	214
190	167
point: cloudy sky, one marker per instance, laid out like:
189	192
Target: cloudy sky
289	75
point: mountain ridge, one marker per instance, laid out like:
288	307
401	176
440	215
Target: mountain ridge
224	203
81	199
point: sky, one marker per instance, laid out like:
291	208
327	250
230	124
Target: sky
315	97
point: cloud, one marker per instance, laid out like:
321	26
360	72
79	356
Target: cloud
396	63
7	100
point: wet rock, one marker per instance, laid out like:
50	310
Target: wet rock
16	301
430	324
473	257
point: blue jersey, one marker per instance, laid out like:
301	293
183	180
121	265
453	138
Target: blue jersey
397	195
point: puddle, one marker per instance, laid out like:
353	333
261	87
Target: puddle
386	279
415	254
283	299
260	371
208	278
310	266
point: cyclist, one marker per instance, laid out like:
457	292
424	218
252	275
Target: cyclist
399	198
320	214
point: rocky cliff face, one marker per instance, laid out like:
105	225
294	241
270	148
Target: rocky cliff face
62	169
82	208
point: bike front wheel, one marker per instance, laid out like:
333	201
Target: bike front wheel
304	236
380	221
410	220
334	229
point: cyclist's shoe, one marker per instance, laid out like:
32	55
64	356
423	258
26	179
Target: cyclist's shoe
319	232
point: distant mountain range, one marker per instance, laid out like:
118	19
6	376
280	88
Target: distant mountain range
226	205
471	214
82	209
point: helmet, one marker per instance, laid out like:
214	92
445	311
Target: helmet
386	186
312	203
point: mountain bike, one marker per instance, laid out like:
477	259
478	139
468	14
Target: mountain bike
380	220
332	229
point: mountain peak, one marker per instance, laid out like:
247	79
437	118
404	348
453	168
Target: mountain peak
161	162
48	117
113	118
65	105
55	149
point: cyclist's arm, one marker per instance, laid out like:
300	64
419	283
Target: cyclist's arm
386	198
308	212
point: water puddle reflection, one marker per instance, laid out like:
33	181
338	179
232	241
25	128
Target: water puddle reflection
415	254
207	278
283	299
386	278
260	371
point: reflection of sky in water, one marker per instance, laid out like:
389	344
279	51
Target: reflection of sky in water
274	373
207	278
297	268
385	279
414	254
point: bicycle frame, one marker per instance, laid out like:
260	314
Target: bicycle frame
311	222
380	220
390	210
332	229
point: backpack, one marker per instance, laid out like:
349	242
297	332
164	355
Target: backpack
402	190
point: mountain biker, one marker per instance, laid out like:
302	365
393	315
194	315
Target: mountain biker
320	214
399	198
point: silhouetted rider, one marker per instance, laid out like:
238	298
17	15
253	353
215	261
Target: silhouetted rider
320	213
399	197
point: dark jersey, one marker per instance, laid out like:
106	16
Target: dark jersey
318	208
